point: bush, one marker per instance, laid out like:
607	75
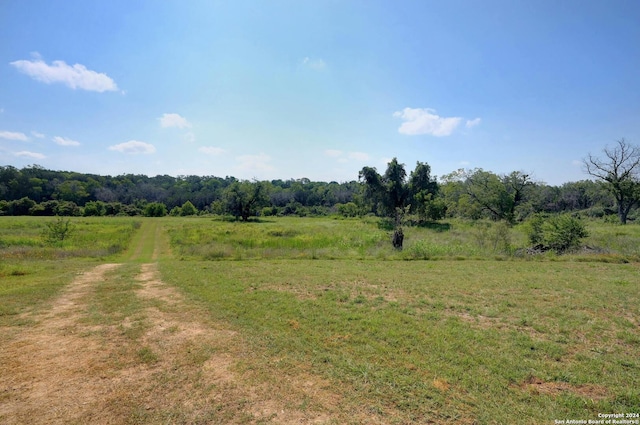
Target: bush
188	209
560	233
350	209
68	209
269	211
94	208
58	231
535	230
155	209
564	233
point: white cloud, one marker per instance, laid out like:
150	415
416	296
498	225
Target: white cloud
258	163
211	150
358	156
333	153
37	134
75	77
133	147
12	135
473	123
63	141
28	154
425	121
316	64
173	120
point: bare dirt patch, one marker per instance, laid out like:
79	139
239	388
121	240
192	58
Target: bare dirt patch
537	386
49	372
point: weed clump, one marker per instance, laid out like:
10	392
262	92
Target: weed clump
57	231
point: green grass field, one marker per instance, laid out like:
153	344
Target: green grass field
481	335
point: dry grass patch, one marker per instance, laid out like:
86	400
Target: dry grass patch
536	385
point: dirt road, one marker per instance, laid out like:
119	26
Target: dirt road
120	346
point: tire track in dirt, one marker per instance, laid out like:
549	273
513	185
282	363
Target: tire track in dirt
50	371
206	354
182	367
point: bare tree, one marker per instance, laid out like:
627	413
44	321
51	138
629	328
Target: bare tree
620	168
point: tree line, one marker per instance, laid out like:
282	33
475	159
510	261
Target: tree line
464	193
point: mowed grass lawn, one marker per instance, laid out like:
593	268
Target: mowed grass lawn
476	336
475	340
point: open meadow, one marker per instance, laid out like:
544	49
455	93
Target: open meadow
313	320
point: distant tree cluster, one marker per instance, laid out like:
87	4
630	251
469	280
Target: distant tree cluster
396	195
37	191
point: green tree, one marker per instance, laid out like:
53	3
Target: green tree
244	199
423	189
388	195
94	208
497	195
620	169
21	206
155	209
188	209
73	191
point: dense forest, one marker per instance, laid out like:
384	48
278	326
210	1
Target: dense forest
472	194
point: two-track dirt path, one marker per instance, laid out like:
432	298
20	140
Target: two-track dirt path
159	360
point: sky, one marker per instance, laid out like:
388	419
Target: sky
318	89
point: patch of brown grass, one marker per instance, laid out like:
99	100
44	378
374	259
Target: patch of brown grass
536	385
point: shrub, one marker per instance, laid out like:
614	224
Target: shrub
94	208
535	230
188	209
564	233
350	209
58	231
68	208
155	209
269	211
560	233
436	209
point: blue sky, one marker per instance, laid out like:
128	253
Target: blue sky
316	89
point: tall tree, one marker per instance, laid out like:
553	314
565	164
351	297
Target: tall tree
390	194
244	198
620	169
498	195
423	189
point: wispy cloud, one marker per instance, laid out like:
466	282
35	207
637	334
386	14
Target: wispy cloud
341	156
27	154
473	123
134	147
255	163
74	76
333	153
12	135
211	150
358	156
419	121
37	135
173	120
63	141
316	64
